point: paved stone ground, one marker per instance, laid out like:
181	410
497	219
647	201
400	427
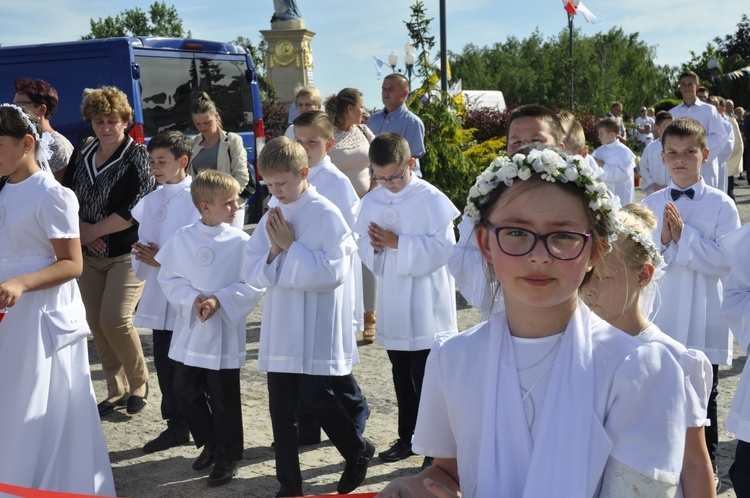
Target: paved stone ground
169	473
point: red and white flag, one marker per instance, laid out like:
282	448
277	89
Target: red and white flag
569	7
572	9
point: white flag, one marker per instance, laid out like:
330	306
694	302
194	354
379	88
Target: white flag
455	88
587	14
379	66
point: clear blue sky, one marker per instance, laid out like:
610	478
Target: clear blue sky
349	33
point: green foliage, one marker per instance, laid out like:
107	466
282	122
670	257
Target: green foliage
737	89
607	66
737	43
160	21
484	153
419	32
698	63
444	164
665	105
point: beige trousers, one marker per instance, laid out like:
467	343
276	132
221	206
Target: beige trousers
111	292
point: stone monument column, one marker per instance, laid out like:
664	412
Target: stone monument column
289	57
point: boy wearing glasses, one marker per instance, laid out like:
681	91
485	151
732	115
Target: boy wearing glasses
406	231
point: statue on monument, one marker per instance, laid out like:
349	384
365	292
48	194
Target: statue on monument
285	10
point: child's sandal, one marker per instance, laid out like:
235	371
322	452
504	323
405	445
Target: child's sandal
368	335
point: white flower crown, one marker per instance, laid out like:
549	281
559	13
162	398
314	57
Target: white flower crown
647	243
43	153
553	168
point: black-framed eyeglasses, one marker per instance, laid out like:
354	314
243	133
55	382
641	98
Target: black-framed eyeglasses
390	179
562	245
26	102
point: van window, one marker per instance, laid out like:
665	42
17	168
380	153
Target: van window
169	86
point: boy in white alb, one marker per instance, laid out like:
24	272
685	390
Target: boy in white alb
406	234
202	276
617	161
654	175
301	252
736	306
159	215
314	131
692	217
527	124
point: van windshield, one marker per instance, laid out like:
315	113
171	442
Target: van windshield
170	85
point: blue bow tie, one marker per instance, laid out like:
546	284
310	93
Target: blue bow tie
677	193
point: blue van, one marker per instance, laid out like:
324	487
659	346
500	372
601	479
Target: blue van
160	76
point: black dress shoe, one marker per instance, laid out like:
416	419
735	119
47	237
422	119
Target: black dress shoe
354	474
205	459
223	472
137	403
398	451
165	440
427	463
288	493
107	407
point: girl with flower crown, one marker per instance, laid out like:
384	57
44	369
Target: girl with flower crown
622	292
546	398
50	434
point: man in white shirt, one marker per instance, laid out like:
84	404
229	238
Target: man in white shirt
708	117
644	125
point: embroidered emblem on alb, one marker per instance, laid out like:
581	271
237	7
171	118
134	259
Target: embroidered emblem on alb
390	216
161	213
204	256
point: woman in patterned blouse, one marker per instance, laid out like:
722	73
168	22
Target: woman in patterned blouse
109	174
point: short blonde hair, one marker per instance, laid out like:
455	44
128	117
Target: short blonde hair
281	155
311	93
106	100
209	184
318	119
575	138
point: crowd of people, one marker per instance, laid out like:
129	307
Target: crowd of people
603	321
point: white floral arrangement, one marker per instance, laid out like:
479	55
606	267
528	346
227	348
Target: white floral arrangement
553	168
647	243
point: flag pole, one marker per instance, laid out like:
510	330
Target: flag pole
570	29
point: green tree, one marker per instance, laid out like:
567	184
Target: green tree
419	32
258	54
607	66
737	43
160	21
443	164
737	89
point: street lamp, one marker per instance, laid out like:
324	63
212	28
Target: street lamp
570	32
713	66
409	60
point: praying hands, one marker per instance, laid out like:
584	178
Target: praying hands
381	237
280	233
672	224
